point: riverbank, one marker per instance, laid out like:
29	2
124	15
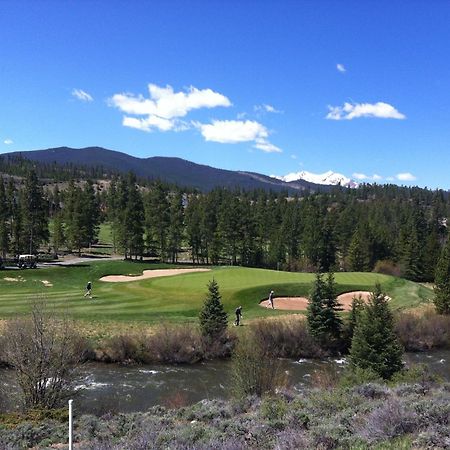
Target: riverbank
371	415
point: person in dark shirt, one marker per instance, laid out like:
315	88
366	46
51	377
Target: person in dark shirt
88	290
238	312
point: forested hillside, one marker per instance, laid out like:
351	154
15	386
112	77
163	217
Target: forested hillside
388	228
63	163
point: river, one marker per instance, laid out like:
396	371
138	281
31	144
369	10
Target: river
104	387
126	389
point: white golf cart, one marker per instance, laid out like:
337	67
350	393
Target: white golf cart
27	262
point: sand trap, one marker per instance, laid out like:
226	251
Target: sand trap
149	274
301	303
46	283
10	279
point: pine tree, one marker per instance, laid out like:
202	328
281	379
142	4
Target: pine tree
157	219
175	232
4	218
213	318
331	306
34	214
359	252
374	344
442	281
58	234
90	213
314	314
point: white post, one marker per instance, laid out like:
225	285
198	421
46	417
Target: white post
70	425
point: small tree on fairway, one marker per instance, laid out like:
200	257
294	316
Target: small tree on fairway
315	309
213	318
333	322
324	322
374	344
442	282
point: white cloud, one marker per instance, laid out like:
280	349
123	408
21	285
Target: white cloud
266	146
341	68
82	95
390	178
405	176
8	141
294	156
267	108
165	107
235	131
363	176
355	110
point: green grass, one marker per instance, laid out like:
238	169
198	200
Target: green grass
176	298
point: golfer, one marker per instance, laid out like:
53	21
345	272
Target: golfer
271	299
238	312
88	290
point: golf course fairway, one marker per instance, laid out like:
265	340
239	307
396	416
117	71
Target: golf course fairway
176	298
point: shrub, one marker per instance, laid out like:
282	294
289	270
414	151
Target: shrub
388	267
286	338
425	332
390	420
44	352
124	349
354	376
254	372
174	344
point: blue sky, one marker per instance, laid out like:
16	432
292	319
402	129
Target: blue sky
357	87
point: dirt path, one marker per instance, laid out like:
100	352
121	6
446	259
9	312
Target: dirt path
301	303
149	274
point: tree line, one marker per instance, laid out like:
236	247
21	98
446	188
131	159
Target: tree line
389	229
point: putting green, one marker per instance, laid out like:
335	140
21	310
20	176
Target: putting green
176	298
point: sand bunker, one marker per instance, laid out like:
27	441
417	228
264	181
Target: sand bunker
149	274
301	303
10	279
46	283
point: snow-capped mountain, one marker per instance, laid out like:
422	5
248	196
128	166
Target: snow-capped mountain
327	178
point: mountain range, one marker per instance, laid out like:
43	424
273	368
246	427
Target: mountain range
181	172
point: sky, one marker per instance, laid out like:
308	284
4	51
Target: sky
361	88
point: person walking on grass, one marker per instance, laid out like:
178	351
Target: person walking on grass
271	299
88	290
238	312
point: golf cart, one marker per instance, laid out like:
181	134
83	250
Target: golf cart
27	262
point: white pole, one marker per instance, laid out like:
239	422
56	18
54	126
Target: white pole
70	425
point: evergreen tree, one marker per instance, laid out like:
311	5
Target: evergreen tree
58	235
331	308
133	224
175	232
213	318
431	255
157	219
359	252
374	344
442	282
34	214
74	217
315	310
4	219
90	213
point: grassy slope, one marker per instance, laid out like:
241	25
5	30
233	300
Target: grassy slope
177	298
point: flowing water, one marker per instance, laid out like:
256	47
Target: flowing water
137	388
114	388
